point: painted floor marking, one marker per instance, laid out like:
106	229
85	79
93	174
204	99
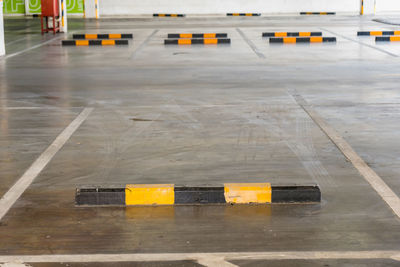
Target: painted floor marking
27	108
134	54
250	43
207	258
211	261
33	171
359	42
16	41
370	175
33	47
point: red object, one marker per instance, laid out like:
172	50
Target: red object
50	10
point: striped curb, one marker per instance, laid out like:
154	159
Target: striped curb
378	33
93	42
388	39
170	194
317	13
290	34
244	14
169	15
103	36
293	40
196	41
197	35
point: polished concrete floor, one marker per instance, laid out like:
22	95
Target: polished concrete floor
200	115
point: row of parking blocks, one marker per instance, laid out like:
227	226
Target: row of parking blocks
382	36
221	38
98	39
297	37
195	38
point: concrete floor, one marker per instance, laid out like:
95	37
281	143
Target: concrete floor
200	115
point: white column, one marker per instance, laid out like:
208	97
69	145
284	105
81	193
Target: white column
367	7
92	9
63	15
2	45
27	7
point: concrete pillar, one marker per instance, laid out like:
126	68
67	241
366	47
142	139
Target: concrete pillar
2	44
92	9
367	7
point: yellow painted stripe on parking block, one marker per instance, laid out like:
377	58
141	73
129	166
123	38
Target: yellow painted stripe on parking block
249	14
395	38
174	15
235	14
323	13
184	41
90	36
244	193
108	42
114	36
304	34
210	41
149	194
376	33
316	39
161	15
396	32
289	40
280	34
209	35
186	35
82	42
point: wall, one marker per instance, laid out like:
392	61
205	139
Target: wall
387	6
123	7
18	6
134	7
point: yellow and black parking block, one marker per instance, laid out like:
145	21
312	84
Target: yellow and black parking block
169	15
208	41
377	33
294	40
103	36
94	42
197	35
317	13
388	39
291	34
170	194
243	14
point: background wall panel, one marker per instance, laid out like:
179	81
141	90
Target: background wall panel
124	7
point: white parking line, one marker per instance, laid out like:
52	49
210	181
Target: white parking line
251	44
33	47
27	108
33	171
369	174
202	257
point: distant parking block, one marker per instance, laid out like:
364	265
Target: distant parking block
94	42
378	33
294	40
243	14
209	41
197	35
291	34
317	13
388	39
103	36
170	194
169	15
